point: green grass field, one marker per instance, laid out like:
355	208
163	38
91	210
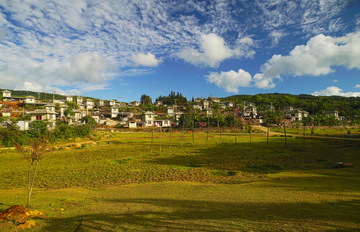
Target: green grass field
119	185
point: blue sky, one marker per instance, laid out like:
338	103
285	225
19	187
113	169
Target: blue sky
110	49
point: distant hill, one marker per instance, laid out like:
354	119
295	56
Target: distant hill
45	97
347	106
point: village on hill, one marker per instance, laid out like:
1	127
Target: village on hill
143	114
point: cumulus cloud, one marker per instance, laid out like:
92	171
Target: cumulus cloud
317	57
84	68
213	50
145	59
230	81
335	91
357	86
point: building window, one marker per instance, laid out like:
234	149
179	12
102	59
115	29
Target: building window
38	117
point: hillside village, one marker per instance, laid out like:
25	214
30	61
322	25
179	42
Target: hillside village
112	113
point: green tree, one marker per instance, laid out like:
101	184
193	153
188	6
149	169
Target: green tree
145	99
37	129
89	120
185	120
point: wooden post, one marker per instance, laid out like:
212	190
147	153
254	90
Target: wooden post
267	140
170	139
207	137
285	133
152	140
304	137
182	135
193	136
250	135
220	134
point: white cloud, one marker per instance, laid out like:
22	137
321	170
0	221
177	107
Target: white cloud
317	57
276	36
357	86
213	50
230	81
335	81
84	68
145	59
335	91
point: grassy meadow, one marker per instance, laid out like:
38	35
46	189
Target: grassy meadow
113	182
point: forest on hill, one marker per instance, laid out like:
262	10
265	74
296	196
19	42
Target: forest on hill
45	97
347	106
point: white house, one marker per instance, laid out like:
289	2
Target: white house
162	123
170	111
132	124
250	110
68	98
114	111
158	103
6	93
111	102
148	117
63	108
30	100
23	125
332	113
47	114
89	104
135	103
79	100
214	99
99	103
205	104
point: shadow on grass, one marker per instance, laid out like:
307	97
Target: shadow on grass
144	214
262	159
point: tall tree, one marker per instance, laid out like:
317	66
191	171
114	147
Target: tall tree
145	99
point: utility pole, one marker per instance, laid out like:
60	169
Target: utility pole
53	101
175	110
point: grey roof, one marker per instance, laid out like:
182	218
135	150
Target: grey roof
41	111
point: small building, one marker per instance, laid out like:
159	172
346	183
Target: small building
170	112
111	102
79	100
6	93
205	104
88	104
162	123
63	108
148	117
47	114
250	110
332	113
158	103
214	99
135	103
114	111
227	104
297	114
68	98
132	124
178	115
99	103
23	125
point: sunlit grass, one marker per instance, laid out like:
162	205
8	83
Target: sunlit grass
119	185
